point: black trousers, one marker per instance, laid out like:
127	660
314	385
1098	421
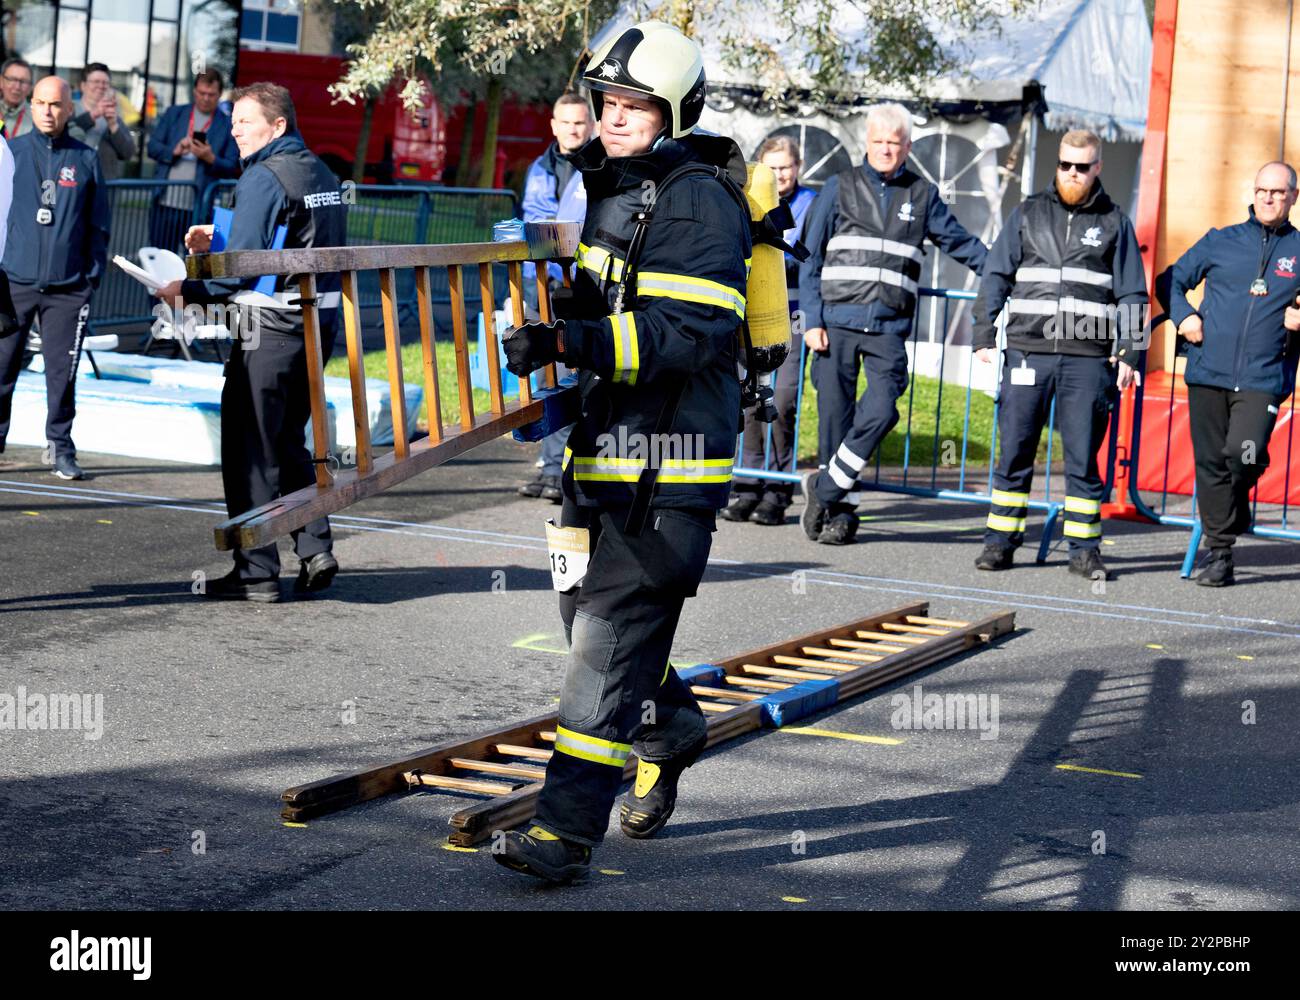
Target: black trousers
1084	390
780	457
264	413
1230	432
63	316
849	428
620	694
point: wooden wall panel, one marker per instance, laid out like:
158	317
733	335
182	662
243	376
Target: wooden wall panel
1225	120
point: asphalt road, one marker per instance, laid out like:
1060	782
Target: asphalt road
1172	707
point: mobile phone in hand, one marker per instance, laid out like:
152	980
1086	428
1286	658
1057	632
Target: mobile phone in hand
200	136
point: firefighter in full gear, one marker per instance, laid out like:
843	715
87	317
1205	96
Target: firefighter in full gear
1067	267
652	326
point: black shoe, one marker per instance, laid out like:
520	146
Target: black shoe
647	807
995	557
741	506
769	512
813	518
544	855
66	467
551	489
840	529
232	587
540	485
316	573
1218	571
1088	565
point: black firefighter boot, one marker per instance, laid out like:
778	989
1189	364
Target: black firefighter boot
647	807
543	855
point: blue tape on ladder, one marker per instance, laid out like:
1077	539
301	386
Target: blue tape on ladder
702	673
805	698
560	407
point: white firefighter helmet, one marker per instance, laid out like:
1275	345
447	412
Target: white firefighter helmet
655	59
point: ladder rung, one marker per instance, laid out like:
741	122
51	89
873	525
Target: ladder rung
888	637
922	620
532	753
801	661
751	668
716	706
918	629
854	644
546	736
496	767
460	784
858	657
755	682
725	693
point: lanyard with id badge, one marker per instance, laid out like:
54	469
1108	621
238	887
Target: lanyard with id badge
1023	375
570	552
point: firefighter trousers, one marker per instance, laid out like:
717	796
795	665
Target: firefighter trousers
1084	391
620	694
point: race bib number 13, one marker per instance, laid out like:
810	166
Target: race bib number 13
570	551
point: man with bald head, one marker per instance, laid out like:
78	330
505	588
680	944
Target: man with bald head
1241	355
55	254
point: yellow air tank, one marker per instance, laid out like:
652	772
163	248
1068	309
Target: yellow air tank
767	305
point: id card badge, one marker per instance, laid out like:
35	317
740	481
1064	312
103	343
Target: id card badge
44	216
570	552
1024	375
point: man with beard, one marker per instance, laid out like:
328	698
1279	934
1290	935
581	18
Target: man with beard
1068	270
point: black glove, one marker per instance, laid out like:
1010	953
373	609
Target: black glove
531	346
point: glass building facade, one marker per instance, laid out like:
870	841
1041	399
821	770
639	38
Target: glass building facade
152	48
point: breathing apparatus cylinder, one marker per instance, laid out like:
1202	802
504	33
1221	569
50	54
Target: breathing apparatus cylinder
767	305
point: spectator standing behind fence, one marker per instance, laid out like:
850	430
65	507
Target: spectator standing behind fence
15	87
264	403
99	125
548	178
1241	356
55	253
757	500
1066	266
8	319
191	142
858	292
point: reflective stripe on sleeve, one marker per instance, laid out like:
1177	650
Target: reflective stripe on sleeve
627	352
690	289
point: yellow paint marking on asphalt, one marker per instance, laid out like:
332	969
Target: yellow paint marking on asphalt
31	513
1097	770
611	871
1153	645
534	642
887	741
461	850
1243	656
102	521
793	899
296	826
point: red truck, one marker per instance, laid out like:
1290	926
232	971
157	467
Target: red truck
403	146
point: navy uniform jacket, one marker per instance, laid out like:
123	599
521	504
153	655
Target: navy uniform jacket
1245	344
74	248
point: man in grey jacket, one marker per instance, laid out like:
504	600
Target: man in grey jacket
98	125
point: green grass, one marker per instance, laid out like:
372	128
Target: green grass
924	392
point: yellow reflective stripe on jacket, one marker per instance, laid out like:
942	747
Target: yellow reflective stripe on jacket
1075	529
568	455
671	470
1078	505
690	289
1011	524
1004	499
598	260
627	352
591	748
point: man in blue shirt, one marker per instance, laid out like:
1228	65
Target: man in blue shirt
1241	356
765	501
191	142
550	178
858	291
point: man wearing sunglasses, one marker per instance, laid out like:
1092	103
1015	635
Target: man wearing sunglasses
1241	355
1067	268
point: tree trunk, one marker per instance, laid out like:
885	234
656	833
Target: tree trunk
488	168
466	143
363	141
